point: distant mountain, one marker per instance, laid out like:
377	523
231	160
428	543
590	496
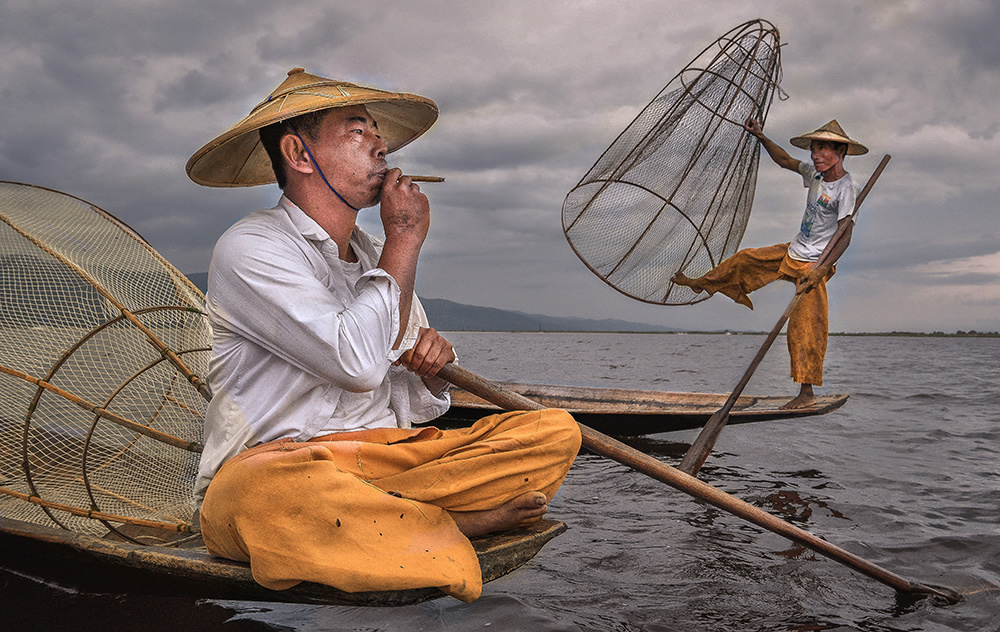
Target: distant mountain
450	316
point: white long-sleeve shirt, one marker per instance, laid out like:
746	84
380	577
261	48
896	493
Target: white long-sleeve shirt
302	341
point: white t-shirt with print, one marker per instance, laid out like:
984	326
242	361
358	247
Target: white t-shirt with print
826	204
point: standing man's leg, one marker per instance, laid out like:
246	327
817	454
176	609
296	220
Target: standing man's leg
739	275
807	335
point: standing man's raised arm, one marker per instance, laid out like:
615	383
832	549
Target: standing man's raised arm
777	154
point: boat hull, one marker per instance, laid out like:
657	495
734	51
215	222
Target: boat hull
628	412
91	563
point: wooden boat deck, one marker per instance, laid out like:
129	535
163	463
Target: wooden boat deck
628	412
186	568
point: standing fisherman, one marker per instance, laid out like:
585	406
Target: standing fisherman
829	204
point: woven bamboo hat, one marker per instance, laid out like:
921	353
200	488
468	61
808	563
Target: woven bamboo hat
832	131
236	158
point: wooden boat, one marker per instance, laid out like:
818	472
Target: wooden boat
184	567
627	412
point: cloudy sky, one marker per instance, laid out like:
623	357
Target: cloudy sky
107	99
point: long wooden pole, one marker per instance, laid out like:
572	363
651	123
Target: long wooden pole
645	464
695	456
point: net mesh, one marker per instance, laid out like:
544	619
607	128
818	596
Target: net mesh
674	190
106	324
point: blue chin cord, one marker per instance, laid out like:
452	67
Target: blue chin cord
320	171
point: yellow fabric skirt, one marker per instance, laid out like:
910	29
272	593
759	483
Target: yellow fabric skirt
368	510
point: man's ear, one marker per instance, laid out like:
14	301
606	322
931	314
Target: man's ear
294	153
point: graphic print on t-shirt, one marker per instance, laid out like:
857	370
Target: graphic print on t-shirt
808	219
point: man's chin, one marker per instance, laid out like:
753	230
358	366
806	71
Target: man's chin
373	200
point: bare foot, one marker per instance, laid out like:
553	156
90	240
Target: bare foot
681	279
521	511
804	399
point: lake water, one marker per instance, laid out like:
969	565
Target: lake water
906	475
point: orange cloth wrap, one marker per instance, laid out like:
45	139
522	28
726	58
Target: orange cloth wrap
808	324
320	512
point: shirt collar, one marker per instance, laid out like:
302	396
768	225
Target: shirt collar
311	230
307	226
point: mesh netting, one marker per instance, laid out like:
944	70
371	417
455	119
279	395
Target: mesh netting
101	340
674	191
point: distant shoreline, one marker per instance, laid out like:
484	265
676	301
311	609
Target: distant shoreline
448	315
898	334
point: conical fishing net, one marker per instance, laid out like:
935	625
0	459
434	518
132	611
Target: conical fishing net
101	343
674	190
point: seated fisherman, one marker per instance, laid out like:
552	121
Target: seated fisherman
322	360
829	203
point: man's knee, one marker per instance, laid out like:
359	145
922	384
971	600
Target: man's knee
563	429
552	429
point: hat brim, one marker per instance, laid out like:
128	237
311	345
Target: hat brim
236	157
854	148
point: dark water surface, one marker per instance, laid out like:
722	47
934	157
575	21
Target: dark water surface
906	475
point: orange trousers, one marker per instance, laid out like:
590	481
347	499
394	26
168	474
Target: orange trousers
808	324
368	510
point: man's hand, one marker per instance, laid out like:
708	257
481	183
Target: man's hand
812	279
777	154
405	211
429	354
752	125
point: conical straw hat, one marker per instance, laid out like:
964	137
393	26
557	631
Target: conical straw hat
832	131
237	159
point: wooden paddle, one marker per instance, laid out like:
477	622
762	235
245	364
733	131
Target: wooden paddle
702	446
645	464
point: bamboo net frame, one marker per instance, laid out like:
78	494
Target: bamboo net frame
674	190
102	344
